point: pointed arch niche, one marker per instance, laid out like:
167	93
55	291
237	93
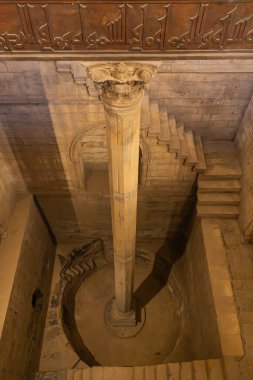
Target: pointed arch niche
88	156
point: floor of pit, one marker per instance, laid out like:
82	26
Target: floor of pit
161	331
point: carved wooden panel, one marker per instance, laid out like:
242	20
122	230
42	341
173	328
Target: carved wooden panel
77	26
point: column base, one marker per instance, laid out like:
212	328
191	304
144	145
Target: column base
122	319
124	325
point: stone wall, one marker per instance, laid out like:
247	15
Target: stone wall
46	105
240	263
199	337
213	369
240	256
7	199
230	266
244	142
57	352
26	265
204	339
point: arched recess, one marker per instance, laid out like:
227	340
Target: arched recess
88	156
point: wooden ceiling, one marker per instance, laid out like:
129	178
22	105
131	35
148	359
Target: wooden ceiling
136	27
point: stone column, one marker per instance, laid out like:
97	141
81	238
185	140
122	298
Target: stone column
121	87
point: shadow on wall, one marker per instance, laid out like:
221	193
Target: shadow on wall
168	254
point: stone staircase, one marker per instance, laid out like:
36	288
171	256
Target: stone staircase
219	186
83	261
213	369
218	198
216	162
187	146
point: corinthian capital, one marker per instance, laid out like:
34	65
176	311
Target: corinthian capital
121	83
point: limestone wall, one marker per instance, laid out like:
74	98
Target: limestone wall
46	105
230	266
26	259
57	352
240	264
205	340
199	337
244	142
7	199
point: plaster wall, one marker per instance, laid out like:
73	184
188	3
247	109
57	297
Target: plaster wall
26	259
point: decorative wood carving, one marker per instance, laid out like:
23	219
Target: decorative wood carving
78	26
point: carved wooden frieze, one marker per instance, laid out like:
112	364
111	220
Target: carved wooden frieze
77	26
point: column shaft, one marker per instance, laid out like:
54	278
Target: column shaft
121	86
123	130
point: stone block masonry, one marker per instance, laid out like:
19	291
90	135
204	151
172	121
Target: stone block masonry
26	258
244	143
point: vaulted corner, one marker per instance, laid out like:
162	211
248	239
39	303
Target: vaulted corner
126	219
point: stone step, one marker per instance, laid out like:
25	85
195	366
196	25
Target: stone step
192	158
164	137
220	211
218	198
200	167
212	369
221	160
174	145
217	160
220	186
207	175
145	112
184	152
155	128
168	132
